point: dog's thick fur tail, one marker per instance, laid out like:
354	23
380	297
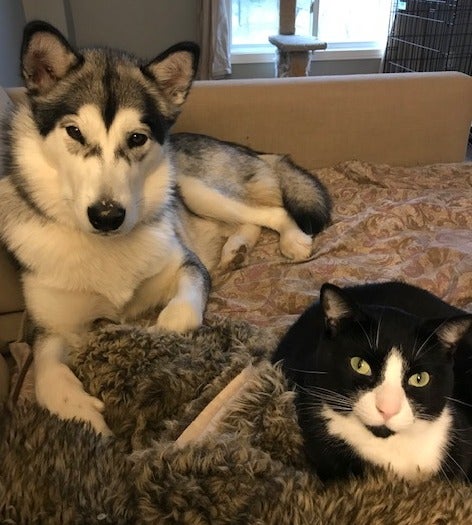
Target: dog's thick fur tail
303	195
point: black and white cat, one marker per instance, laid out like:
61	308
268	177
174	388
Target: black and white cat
383	374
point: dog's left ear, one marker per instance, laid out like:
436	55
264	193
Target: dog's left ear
174	71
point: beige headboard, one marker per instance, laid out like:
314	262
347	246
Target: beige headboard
399	119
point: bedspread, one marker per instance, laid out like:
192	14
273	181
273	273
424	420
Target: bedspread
410	224
205	429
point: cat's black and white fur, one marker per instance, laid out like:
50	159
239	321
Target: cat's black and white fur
383	377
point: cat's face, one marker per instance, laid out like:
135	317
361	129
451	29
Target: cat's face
385	368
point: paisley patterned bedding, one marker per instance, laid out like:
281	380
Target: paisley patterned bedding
411	224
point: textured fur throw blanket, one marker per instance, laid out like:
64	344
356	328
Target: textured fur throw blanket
243	465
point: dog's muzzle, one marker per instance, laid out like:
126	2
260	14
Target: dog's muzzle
106	216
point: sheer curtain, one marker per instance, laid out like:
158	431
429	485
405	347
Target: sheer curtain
215	39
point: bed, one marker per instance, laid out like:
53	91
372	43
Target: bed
204	426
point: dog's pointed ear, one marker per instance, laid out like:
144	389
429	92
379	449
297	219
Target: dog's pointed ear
46	57
173	71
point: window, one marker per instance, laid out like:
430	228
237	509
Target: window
254	20
343	24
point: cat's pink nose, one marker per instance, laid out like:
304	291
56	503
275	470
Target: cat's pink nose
388	402
388	411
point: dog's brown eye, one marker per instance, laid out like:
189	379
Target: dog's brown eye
135	140
75	133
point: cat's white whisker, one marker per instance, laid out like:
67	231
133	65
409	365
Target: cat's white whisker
307	371
366	335
425	342
424	417
415	342
328	392
330	399
308	407
459	401
458	438
377	336
327	396
457	464
442	471
335	404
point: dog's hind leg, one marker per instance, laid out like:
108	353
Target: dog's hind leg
208	202
238	245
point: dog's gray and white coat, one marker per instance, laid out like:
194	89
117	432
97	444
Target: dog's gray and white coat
109	215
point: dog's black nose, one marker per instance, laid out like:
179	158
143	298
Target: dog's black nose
106	216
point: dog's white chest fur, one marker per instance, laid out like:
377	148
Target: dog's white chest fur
110	266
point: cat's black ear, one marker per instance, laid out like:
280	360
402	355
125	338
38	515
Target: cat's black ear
451	331
46	57
336	305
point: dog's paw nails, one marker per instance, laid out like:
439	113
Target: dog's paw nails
102	428
296	245
96	403
179	316
95	418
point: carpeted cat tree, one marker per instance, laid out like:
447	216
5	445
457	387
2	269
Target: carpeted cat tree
294	52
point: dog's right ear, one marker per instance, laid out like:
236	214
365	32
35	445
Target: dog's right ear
46	57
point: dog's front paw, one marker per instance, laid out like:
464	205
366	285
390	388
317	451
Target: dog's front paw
295	244
179	316
61	392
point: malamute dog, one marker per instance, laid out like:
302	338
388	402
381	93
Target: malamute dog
109	215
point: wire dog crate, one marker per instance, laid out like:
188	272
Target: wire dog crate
429	35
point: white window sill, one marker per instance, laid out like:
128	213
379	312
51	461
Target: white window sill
266	54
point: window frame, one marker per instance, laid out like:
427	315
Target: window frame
264	53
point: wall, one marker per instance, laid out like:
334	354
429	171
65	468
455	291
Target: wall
12	20
51	11
143	27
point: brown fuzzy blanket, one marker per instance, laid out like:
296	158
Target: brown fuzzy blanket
247	466
249	469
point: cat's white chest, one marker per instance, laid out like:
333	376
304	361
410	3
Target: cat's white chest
412	453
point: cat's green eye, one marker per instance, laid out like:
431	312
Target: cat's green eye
360	366
420	379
